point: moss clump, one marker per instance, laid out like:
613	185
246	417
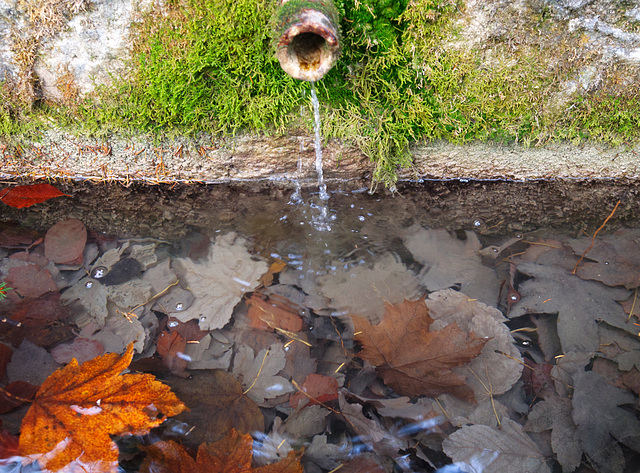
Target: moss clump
203	66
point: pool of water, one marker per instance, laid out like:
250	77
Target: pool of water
453	326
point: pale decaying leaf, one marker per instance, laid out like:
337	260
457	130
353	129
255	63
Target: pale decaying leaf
491	371
579	304
328	456
449	261
104	313
555	414
480	449
306	423
219	282
214	351
118	331
369	431
620	347
363	290
601	421
259	372
615	259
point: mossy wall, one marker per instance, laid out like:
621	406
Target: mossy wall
407	73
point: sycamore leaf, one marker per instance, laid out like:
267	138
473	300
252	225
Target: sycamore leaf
480	448
26	196
578	303
232	454
450	261
615	258
79	406
412	360
600	420
260	372
555	414
490	373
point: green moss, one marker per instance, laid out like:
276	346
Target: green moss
204	66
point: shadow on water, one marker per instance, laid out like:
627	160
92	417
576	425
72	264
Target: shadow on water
447	327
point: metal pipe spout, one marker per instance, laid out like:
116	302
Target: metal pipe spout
308	38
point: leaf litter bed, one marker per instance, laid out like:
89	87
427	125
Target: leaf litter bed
246	340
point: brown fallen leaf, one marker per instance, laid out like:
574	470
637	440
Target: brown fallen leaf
64	242
8	445
217	405
316	388
16	394
5	356
232	454
29	281
412	360
79	407
271	313
171	347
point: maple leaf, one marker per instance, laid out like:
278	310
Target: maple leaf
412	360
482	448
578	303
232	454
616	258
26	196
79	406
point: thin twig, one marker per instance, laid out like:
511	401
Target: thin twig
633	305
593	239
259	371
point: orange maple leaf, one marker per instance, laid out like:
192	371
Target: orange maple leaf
232	454
412	360
79	406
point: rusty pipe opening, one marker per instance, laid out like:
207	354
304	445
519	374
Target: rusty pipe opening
308	42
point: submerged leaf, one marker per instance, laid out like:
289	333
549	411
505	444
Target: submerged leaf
219	282
480	448
449	261
232	454
259	372
78	407
217	405
364	290
499	365
28	195
411	359
578	303
616	258
64	242
600	419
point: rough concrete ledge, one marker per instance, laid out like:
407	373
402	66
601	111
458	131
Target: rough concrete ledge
58	155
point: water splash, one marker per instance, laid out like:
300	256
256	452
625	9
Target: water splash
296	197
